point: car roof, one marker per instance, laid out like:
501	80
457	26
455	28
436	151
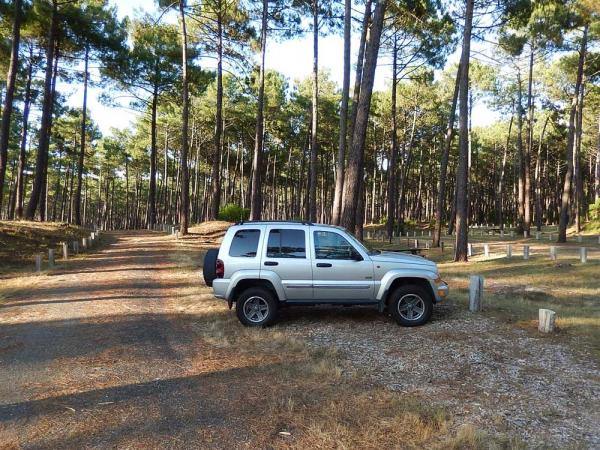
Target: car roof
286	222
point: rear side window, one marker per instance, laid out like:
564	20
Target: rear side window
286	243
245	243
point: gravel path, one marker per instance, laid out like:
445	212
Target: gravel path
104	353
497	377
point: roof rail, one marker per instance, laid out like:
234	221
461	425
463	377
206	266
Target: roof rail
301	222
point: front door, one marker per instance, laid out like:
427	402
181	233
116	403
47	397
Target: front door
341	272
285	254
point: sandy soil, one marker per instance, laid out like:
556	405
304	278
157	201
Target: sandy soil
112	351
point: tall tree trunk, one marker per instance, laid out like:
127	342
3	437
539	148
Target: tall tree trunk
597	177
256	194
341	156
441	194
218	139
577	172
22	150
354	178
312	182
44	135
152	187
462	172
566	192
82	140
391	187
529	150
500	192
184	216
520	160
8	98
538	181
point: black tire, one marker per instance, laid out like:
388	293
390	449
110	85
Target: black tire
411	294
257	317
209	267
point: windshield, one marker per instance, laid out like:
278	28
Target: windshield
367	250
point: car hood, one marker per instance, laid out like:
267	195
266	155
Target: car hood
403	258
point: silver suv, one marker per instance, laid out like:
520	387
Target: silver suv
262	266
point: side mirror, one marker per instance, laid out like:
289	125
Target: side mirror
356	256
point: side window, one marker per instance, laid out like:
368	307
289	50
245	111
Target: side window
329	245
286	243
245	243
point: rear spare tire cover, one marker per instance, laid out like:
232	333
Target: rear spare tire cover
210	266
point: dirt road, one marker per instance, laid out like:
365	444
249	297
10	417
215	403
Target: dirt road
123	349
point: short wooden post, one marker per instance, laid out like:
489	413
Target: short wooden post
38	263
501	233
84	243
537	235
429	234
415	233
486	250
598	239
553	253
509	251
76	247
442	246
416	243
512	234
427	244
470	250
65	250
50	258
525	234
526	252
475	293
547	318
583	255
550	237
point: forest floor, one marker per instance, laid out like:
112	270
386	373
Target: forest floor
126	347
20	240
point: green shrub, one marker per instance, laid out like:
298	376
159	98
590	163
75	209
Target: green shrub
232	213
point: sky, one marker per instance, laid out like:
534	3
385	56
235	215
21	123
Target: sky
293	58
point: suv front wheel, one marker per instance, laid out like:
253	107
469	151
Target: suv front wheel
411	305
256	307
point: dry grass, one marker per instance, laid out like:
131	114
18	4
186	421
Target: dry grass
21	240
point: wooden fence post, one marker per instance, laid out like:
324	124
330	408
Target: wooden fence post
553	253
547	317
526	252
76	247
537	235
65	249
486	250
38	263
475	293
470	250
442	246
509	251
50	258
583	255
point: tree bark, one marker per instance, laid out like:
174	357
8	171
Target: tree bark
566	192
341	156
393	161
462	172
44	134
256	194
529	150
152	186
218	139
22	150
538	181
354	178
312	182
441	194
184	216
8	98
82	140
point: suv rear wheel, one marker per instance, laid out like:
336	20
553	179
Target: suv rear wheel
411	305
256	307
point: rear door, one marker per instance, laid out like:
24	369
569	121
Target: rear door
285	252
341	272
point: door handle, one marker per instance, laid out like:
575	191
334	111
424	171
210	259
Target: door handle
271	263
324	264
